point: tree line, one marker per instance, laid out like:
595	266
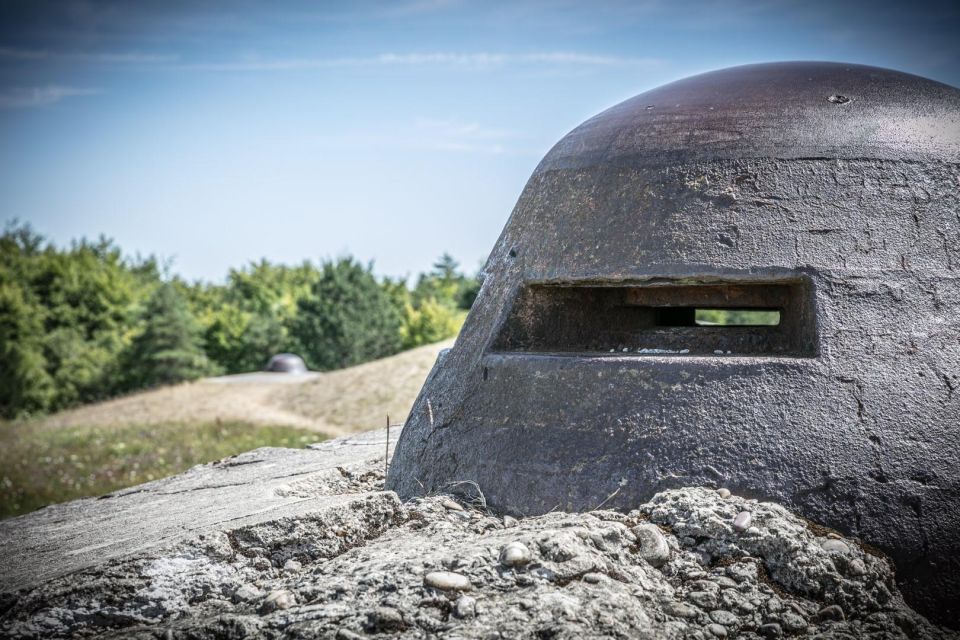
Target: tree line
85	322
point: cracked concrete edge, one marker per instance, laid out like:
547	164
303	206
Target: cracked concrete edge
234	494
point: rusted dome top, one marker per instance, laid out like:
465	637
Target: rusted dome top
786	110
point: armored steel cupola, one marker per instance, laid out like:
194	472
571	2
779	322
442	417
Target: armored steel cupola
749	278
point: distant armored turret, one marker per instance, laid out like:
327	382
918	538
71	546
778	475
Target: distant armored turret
286	363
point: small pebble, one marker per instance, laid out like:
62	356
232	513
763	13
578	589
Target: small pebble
261	564
514	554
831	612
793	622
770	630
653	545
857	567
742	522
723	493
447	581
279	599
451	505
717	630
465	607
703	599
292	566
347	634
594	578
835	546
385	619
680	610
510	521
724	617
246	593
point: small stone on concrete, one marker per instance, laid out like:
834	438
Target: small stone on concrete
292	566
717	630
465	607
723	493
510	521
515	554
792	622
857	568
279	599
831	612
724	617
246	593
451	505
653	545
835	546
385	619
447	581
742	522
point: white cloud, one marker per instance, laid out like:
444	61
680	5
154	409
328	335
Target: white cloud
32	97
123	57
477	60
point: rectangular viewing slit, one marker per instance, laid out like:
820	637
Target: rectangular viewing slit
725	318
692	316
737	317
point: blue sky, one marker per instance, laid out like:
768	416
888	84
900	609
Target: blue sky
217	133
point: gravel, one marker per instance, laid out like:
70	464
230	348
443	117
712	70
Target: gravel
371	567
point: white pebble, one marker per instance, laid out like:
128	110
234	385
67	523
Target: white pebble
451	505
465	607
857	568
447	581
514	554
292	566
723	493
280	599
742	522
835	546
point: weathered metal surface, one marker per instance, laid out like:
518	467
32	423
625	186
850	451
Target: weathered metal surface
286	363
842	178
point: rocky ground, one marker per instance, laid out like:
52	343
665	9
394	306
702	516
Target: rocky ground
690	563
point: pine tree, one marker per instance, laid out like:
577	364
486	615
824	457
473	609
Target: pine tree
347	319
169	348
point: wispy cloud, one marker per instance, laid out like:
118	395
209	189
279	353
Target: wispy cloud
33	97
476	60
451	134
106	57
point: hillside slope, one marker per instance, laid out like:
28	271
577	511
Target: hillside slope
335	402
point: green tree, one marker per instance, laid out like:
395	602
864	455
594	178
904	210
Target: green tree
25	385
429	323
347	319
168	349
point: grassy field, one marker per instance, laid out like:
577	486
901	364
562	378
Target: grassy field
40	465
106	446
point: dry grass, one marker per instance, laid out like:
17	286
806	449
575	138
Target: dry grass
102	447
362	397
334	403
